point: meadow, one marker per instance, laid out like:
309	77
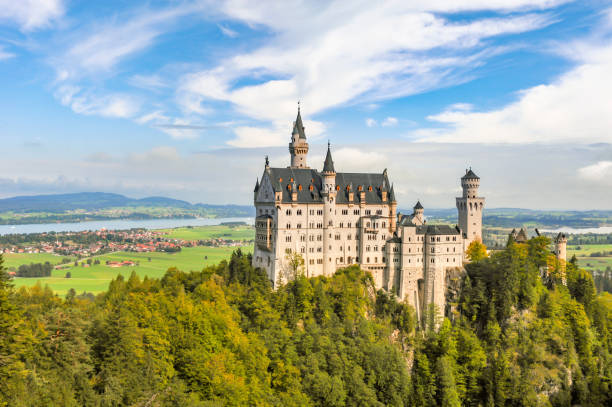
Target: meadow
239	232
95	278
583	254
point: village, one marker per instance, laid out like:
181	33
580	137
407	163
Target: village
91	243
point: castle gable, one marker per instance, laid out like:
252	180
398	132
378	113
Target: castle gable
309	185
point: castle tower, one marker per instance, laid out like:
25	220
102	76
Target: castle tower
298	148
418	215
561	246
470	207
328	192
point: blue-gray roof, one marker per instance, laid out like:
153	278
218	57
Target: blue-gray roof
371	184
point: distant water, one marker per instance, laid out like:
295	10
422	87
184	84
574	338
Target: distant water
118	224
601	230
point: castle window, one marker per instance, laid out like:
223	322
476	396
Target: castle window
349	224
311	211
288	225
384	224
348	237
345	211
379	211
300	187
454	238
356	212
303	250
288	251
370	188
432	260
375	259
375	248
433	250
288	239
320	212
367	248
368	260
302	238
299	212
299	225
433	239
288	212
341	224
368	212
311	261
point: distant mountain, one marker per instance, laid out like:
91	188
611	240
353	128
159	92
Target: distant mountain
95	201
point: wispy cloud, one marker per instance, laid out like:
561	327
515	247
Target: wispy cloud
600	171
370	122
386	56
107	105
31	14
389	122
573	108
228	32
5	54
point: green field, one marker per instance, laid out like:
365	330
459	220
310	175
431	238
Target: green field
17	259
211	232
583	252
97	277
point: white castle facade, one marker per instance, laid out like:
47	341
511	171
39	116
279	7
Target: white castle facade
336	219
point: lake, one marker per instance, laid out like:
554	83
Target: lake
118	224
601	230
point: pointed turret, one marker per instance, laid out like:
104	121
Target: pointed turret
298	127
392	194
328	166
298	147
418	205
256	185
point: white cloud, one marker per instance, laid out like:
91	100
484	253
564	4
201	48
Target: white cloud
600	171
573	108
31	14
370	122
385	57
352	159
103	46
228	32
389	122
4	54
108	105
275	135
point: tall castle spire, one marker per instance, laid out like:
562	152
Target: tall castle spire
298	148
328	166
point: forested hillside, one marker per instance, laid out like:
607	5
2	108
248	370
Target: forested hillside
222	337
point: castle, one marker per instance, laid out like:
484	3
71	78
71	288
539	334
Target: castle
336	219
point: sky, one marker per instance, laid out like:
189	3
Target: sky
185	98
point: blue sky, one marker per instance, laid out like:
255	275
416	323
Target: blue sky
185	98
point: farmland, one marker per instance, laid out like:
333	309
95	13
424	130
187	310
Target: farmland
95	278
592	256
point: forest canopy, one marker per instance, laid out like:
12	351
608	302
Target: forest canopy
222	337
